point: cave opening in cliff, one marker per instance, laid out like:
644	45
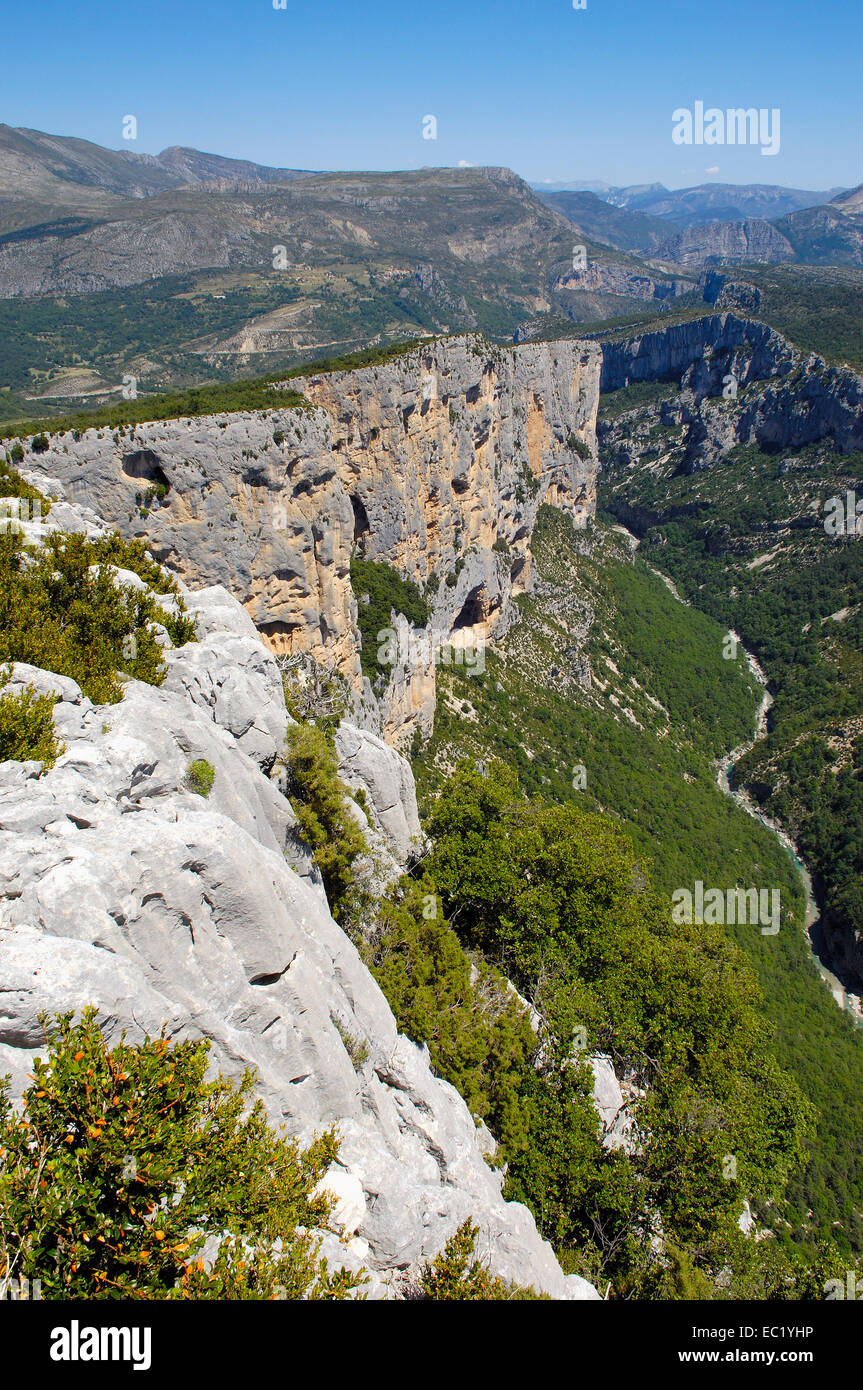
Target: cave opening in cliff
474	610
361	519
145	465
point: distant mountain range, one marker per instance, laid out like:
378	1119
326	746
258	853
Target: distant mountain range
59	168
721	223
708	202
187	266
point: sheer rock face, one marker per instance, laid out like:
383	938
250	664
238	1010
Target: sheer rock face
799	399
427	462
121	887
711	243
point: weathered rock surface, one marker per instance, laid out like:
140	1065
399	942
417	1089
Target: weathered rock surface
713	242
368	763
121	887
613	277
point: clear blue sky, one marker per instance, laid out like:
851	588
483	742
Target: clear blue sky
552	92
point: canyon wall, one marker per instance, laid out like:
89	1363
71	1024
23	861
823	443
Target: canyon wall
435	462
796	398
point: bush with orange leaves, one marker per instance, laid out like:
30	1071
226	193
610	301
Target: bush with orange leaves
128	1175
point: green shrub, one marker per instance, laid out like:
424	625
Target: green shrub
326	825
578	446
126	1160
60	613
478	1035
17	452
356	1048
200	776
558	897
40	444
455	1275
387	591
27	726
13	485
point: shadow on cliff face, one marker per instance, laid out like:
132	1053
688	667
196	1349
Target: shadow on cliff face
144	464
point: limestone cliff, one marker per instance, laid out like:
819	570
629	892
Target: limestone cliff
796	398
122	888
435	462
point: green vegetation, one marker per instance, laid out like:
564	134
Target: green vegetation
356	1048
661	665
320	798
613	404
199	778
13	485
386	591
558	898
744	542
477	1033
61	610
27	725
218	399
819	308
126	1161
208	398
663	703
455	1275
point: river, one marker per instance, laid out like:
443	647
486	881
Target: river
846	1000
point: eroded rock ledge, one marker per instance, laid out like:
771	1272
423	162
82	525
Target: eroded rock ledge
122	888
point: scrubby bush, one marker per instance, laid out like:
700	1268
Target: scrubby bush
558	898
61	610
13	485
200	776
478	1034
320	799
456	1275
578	446
126	1160
27	726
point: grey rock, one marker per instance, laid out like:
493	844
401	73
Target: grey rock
120	887
367	762
426	462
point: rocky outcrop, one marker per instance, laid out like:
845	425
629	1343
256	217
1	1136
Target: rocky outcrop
369	765
122	887
725	293
614	277
713	243
435	462
799	399
666	354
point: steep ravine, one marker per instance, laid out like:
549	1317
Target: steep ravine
848	1001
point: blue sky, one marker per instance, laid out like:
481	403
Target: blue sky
553	92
